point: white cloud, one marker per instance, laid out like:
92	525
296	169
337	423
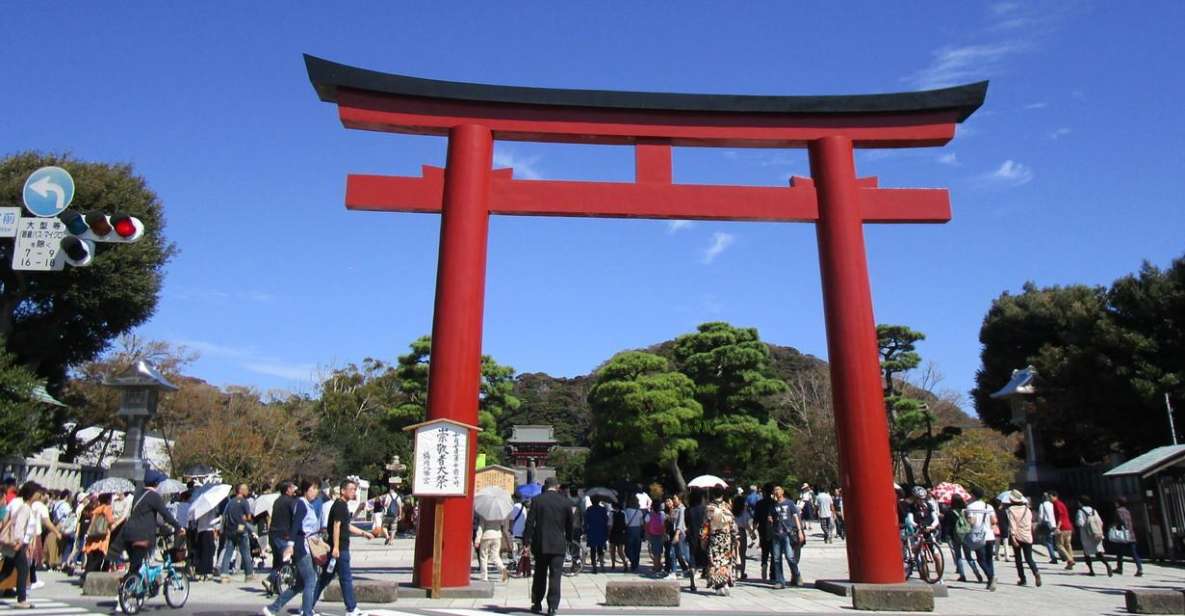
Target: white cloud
720	243
292	372
524	166
1003	8
215	350
1009	173
950	158
675	226
1037	105
957	65
1059	133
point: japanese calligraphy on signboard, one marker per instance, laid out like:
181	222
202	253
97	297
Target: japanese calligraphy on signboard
442	458
38	245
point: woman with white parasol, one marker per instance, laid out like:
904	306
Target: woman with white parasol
719	534
492	505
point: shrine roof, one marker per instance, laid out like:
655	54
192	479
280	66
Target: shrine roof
329	77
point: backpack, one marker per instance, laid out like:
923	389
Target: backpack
962	526
618	522
393	507
1094	525
654	525
98	528
977	537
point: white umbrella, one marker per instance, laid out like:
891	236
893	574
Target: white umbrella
111	485
208	499
707	481
264	503
170	486
492	503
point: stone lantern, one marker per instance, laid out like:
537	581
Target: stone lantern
1019	392
140	387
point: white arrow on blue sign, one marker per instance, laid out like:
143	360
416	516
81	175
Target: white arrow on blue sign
48	191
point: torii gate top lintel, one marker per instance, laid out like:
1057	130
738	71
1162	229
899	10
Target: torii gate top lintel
374	100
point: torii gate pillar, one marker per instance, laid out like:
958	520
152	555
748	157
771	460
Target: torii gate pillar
861	429
454	372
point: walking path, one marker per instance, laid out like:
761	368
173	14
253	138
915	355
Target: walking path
1063	592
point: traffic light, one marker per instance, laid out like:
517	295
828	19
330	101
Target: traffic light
79	253
79	247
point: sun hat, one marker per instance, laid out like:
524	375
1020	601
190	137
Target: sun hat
1016	497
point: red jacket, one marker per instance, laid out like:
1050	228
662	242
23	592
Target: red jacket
1062	515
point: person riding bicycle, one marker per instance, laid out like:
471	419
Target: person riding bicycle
920	513
139	531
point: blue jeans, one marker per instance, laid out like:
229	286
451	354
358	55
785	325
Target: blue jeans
307	588
1131	549
243	542
633	545
344	576
783	548
1047	541
962	555
984	554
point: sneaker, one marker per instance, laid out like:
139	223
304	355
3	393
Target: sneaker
1038	576
355	612
36	585
266	611
992	584
23	605
1139	573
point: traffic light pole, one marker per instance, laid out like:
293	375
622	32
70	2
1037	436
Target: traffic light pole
454	377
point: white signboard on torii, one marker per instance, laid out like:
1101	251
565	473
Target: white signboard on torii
441	458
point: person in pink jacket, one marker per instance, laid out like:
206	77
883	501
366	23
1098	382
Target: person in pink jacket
1020	524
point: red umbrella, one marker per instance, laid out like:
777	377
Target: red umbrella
944	491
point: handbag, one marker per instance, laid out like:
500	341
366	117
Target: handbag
318	551
99	527
1119	534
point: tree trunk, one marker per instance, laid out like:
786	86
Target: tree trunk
677	474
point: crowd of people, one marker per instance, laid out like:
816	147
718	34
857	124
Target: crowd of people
705	536
977	529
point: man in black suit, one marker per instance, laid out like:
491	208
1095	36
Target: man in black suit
548	531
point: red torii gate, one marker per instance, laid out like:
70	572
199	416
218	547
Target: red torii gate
468	190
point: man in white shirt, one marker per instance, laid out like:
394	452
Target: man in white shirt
981	515
1046	525
823	509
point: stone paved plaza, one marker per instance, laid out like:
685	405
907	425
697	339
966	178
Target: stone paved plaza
1063	592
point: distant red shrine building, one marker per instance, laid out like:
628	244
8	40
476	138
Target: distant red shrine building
530	443
838	202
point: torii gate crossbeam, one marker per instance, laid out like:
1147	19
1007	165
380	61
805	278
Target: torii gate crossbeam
468	190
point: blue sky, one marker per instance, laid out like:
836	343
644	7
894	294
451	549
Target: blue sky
1073	171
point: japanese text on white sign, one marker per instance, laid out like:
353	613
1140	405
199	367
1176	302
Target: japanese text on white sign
442	460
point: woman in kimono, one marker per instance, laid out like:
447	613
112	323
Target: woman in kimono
720	536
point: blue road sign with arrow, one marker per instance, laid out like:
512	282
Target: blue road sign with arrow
48	191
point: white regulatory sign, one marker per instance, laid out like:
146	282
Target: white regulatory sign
8	218
38	245
442	459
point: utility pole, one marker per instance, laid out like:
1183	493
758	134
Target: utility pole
1168	406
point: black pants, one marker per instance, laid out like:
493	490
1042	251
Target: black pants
205	544
1102	559
20	562
598	557
1027	550
766	550
94	561
136	558
549	570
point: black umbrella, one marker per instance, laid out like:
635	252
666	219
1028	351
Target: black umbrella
198	470
604	494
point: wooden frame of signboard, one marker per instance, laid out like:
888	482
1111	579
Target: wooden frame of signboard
438	518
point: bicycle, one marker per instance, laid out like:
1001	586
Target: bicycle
921	553
147	583
574	560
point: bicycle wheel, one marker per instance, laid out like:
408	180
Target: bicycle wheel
176	590
931	562
131	594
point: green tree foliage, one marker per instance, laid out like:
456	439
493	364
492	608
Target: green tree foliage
979	457
356	421
496	397
736	387
24	424
569	466
54	320
912	426
555	401
644	416
1105	359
